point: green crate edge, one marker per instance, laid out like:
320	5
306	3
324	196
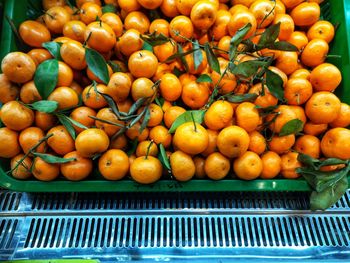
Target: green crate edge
8	182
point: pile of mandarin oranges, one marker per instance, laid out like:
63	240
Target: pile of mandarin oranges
179	89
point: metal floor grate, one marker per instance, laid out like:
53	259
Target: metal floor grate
192	225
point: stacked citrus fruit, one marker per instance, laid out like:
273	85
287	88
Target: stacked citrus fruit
172	88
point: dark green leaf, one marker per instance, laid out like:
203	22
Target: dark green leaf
328	197
109	9
177	72
237	39
179	54
76	123
204	78
63	119
138	104
146	118
160	101
137	119
34	10
198	116
53	159
46	106
284	46
111	103
155	39
332	161
115	67
238	98
292	127
46	76
249	68
212	58
70	3
275	84
308	160
182	57
97	64
269	36
162	156
147	46
132	148
197	55
54	49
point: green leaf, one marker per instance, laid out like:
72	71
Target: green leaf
328	197
292	127
147	46
97	64
198	116
332	161
308	160
177	72
54	49
284	46
237	39
249	68
155	39
109	9
269	36
275	84
46	106
46	76
204	78
133	147
160	101
64	120
138	104
212	58
182	57
146	118
53	159
111	103
162	156
179	54
115	67
197	55
238	98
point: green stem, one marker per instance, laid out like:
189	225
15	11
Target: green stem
194	123
148	149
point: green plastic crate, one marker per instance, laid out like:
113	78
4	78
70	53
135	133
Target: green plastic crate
337	11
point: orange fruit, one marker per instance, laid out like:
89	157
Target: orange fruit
219	115
23	167
89	12
203	14
44	121
65	75
159	134
297	91
73	54
161	70
321	30
146	170
108	115
142	88
16	116
185	6
195	95
164	51
191	138
93	77
246	3
100	36
239	20
219	29
322	107
306	14
168	8
233	141
287	61
291	3
280	73
308	144
281	144
134	133
248	166
315	129
315	53
286	27
211	148
82	115
39	55
145	147
216	166
47	4
74	30
137	20
114	21
171	114
284	114
44	171
199	167
180	27
264	12
30	137
190	63
143	63
271	165
336	143
78	169
298	39
301	73
8	90
170	87
119	86
150	4
55	18
156	115
119	143
61	142
247	116
18	67
130	42
114	164
257	142
300	113
343	118
182	166
265	100
92	99
34	33
325	77
9	147
159	26
129	5
280	7
65	97
80	3
91	141
228	82
289	164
